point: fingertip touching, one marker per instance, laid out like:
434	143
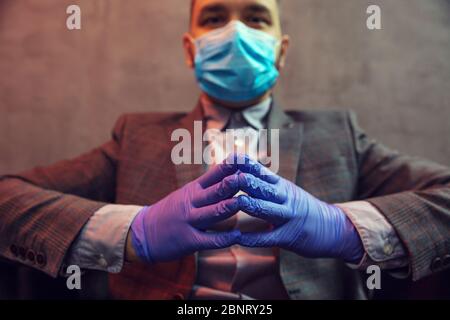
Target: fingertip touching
260	189
218	172
248	165
223	189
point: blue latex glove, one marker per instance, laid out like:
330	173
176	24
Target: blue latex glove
302	223
174	227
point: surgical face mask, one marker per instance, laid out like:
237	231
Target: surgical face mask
236	63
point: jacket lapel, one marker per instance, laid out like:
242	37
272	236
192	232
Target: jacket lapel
290	142
186	172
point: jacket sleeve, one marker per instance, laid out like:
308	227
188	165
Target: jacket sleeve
414	196
43	210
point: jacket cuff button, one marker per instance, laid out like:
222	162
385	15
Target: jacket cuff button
31	256
14	250
41	260
436	264
446	261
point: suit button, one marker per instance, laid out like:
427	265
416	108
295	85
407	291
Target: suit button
31	255
388	249
22	253
178	296
14	250
102	261
436	264
289	125
40	259
446	260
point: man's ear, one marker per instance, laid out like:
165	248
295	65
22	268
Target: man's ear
284	47
189	50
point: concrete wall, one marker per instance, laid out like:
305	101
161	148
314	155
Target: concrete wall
61	91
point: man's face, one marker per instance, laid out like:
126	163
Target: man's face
258	14
263	15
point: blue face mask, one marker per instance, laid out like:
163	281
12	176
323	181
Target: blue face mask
236	63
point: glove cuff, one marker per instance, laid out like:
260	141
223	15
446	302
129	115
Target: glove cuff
353	250
139	237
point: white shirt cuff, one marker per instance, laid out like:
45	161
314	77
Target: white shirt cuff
381	243
101	243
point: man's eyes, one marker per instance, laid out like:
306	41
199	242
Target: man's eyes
213	21
255	20
252	21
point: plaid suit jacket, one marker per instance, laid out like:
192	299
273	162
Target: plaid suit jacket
324	152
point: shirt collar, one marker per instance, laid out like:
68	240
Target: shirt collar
219	117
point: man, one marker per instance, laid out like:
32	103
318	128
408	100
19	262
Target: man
166	231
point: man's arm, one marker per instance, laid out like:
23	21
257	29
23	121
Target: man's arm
382	246
413	195
43	210
104	243
312	228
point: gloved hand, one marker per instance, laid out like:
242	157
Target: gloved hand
302	223
174	227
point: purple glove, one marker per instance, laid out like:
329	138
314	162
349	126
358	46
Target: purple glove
303	224
174	227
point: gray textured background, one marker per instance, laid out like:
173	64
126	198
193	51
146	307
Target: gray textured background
61	91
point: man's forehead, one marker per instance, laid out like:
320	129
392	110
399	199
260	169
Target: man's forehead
269	4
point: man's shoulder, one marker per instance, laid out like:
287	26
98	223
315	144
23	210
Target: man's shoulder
135	121
322	116
144	122
152	118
